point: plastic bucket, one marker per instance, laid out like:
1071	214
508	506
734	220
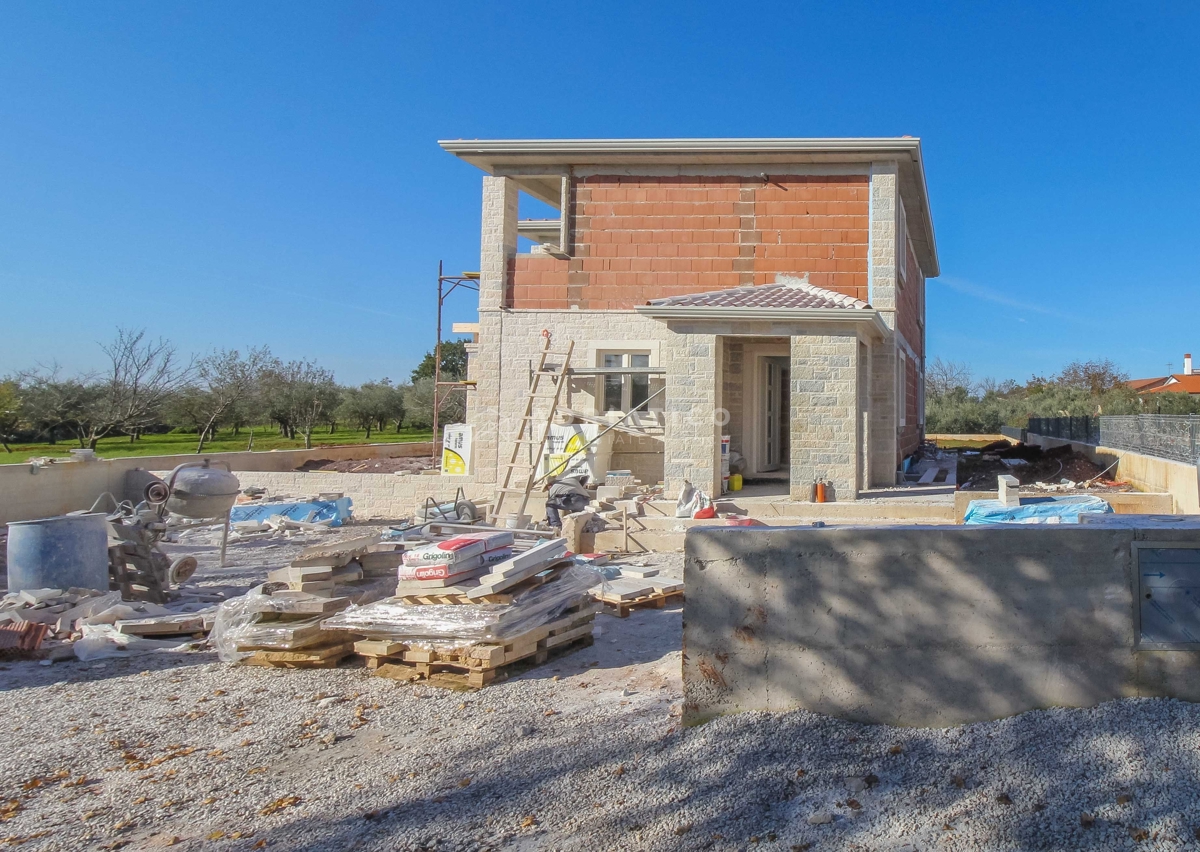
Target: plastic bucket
69	551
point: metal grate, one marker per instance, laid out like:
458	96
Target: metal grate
1166	436
1082	430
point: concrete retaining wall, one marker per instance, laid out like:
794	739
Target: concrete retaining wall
1146	473
925	626
27	492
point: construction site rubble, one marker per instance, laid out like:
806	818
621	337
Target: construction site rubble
56	624
1057	470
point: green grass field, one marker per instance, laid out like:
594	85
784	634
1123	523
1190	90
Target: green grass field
265	438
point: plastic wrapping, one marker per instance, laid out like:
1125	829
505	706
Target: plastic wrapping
391	619
333	512
101	641
1035	510
236	617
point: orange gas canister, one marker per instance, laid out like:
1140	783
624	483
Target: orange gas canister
820	495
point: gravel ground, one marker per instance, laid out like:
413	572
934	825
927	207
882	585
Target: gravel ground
179	750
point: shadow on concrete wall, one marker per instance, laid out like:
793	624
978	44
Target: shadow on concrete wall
915	626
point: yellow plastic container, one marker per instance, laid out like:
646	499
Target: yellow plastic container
735	482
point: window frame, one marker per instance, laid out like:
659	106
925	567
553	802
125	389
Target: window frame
602	383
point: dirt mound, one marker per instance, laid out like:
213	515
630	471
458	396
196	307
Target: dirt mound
978	469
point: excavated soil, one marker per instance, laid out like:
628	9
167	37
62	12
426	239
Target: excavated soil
978	469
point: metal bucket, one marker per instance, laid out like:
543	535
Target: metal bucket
58	553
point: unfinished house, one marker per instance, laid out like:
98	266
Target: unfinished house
770	292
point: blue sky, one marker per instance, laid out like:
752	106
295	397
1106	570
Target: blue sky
235	174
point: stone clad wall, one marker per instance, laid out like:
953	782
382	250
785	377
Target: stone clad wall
510	340
692	432
825	423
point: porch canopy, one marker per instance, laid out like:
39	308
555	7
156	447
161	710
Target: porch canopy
789	299
831	335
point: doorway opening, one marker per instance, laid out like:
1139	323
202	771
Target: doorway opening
775	414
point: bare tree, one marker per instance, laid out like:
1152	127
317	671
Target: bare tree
51	403
141	376
300	395
418	405
1096	376
228	380
942	377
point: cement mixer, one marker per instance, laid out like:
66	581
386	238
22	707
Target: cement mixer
195	491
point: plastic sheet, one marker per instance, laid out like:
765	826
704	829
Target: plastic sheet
391	619
1035	510
101	641
236	617
305	511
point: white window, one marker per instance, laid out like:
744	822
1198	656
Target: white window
623	391
902	390
901	243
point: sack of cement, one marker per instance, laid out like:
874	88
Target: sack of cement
442	570
449	552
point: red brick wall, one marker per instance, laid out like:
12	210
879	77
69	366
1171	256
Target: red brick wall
910	304
910	319
910	432
641	238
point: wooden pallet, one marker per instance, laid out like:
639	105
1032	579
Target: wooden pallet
480	663
621	608
443	675
455	598
324	656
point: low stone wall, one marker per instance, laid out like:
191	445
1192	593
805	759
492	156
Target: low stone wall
1146	473
375	496
28	492
924	626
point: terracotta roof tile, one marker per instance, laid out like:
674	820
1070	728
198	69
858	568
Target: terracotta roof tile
786	293
1181	384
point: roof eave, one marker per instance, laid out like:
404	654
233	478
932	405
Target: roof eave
836	315
548	150
491	154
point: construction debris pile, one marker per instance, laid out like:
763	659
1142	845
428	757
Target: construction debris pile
57	624
504	607
1060	469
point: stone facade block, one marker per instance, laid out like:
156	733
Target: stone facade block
825	423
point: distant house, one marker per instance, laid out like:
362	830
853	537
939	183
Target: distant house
1186	382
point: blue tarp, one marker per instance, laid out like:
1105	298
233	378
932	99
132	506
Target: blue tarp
308	511
1036	510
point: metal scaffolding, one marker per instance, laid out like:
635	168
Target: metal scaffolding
467	281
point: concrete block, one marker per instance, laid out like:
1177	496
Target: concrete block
1010	490
36	596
